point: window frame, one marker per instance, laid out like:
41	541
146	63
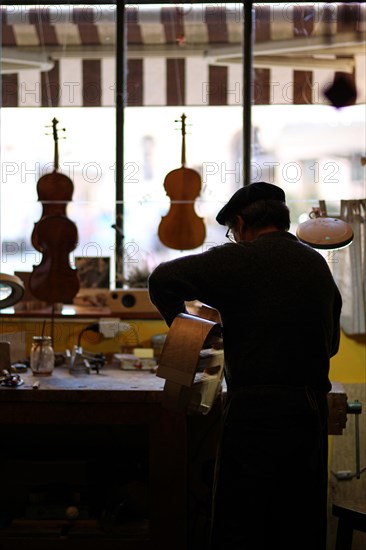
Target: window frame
120	101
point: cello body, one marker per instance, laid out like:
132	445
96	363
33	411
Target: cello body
54	280
181	228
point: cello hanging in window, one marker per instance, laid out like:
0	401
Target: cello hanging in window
54	189
182	228
55	236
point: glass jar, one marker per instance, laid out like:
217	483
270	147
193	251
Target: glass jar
42	357
157	342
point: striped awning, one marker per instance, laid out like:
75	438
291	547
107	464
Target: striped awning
189	55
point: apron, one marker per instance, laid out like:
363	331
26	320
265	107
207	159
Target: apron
270	488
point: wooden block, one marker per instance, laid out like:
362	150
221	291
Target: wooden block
337	405
5	356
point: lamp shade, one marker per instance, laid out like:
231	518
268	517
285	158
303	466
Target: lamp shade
325	233
11	290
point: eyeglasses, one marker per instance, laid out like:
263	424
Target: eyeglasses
230	235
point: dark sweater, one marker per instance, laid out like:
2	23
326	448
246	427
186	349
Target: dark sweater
278	302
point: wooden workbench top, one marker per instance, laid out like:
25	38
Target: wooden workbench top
77	312
111	384
97	398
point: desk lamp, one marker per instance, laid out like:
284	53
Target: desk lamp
11	290
323	232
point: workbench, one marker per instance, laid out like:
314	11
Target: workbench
87	418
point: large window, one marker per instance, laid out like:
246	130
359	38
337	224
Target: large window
59	61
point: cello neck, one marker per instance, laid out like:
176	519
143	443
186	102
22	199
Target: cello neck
55	162
183	160
55	139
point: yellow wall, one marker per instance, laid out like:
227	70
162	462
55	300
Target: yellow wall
349	365
66	332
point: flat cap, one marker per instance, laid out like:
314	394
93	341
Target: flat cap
247	195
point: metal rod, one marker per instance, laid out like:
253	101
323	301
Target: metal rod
356	409
120	104
247	91
357	438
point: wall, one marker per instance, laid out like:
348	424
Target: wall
349	368
349	365
67	330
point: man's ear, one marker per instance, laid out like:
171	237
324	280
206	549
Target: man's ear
239	224
242	229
